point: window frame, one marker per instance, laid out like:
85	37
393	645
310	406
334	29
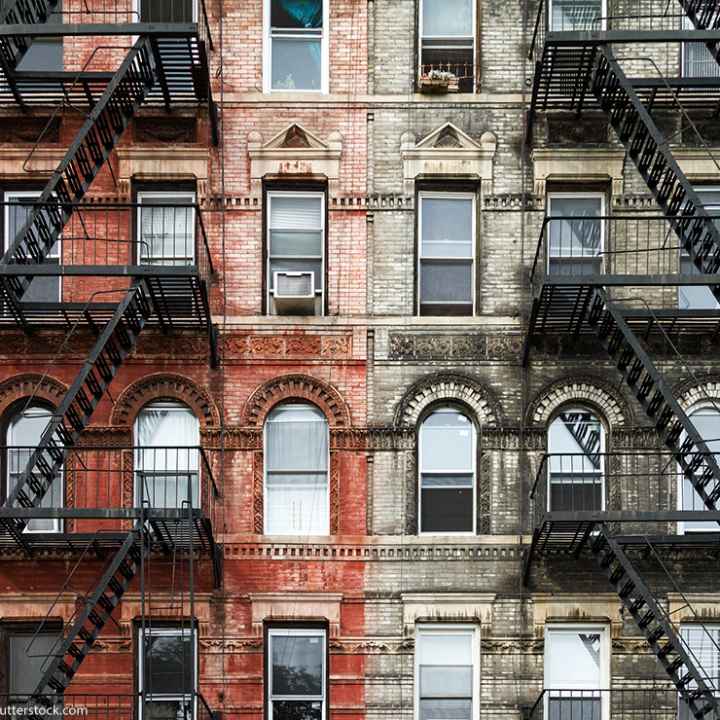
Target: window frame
141	195
605	658
455	409
579	195
603	24
25	193
269	292
579	407
136	9
682	714
429	629
685	527
686	24
266	456
475	42
290	630
451	195
324	53
167	629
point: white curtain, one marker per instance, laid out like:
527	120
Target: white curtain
296	441
168	436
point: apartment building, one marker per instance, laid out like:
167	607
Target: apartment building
360	359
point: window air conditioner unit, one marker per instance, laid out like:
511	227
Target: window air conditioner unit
294	293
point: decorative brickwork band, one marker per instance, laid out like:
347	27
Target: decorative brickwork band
258	483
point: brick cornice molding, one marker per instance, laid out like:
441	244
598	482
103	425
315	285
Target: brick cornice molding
697	390
449	387
585	389
42	387
164	386
296	387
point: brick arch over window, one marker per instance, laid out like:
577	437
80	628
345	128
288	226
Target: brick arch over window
40	387
696	391
296	387
448	387
583	390
164	386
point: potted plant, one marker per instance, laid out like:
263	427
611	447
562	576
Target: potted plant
438	81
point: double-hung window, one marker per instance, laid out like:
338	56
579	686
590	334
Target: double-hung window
166	228
697	60
296	45
702	643
446	258
45	53
297	674
576	440
447	473
576	233
699	297
446	672
576	15
296	253
168	672
27	653
18	207
447	40
577	668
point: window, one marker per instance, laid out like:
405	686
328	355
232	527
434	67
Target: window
577	668
577	235
23	435
297	687
45	53
296	471
697	60
574	15
446	673
447	39
167	673
447	252
166	228
167	437
166	11
447	473
576	442
18	205
26	654
703	644
296	52
706	419
699	297
296	257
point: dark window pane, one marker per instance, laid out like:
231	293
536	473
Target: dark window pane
450	56
166	11
27	661
297	710
447	510
578	493
575	709
297	664
445	709
168	664
167	710
296	14
44	54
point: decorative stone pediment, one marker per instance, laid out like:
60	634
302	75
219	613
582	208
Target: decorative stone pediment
295	606
295	151
578	165
446	608
448	151
698	164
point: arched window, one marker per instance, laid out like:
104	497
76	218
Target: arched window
24	430
167	440
576	443
706	419
296	471
447	472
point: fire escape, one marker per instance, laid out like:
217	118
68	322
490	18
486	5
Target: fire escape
165	66
614	295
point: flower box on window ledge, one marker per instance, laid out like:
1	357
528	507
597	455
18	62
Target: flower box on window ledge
439	82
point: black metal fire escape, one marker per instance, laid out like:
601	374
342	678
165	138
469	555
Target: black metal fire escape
576	70
166	66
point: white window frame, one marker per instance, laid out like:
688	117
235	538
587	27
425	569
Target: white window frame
422	195
468	533
603	479
266	504
297	632
185	198
605	651
429	629
580	195
686	24
603	23
324	53
167	631
57	523
14	196
319	292
714	679
422	36
136	11
684	528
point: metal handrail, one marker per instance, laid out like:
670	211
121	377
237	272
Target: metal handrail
537	30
